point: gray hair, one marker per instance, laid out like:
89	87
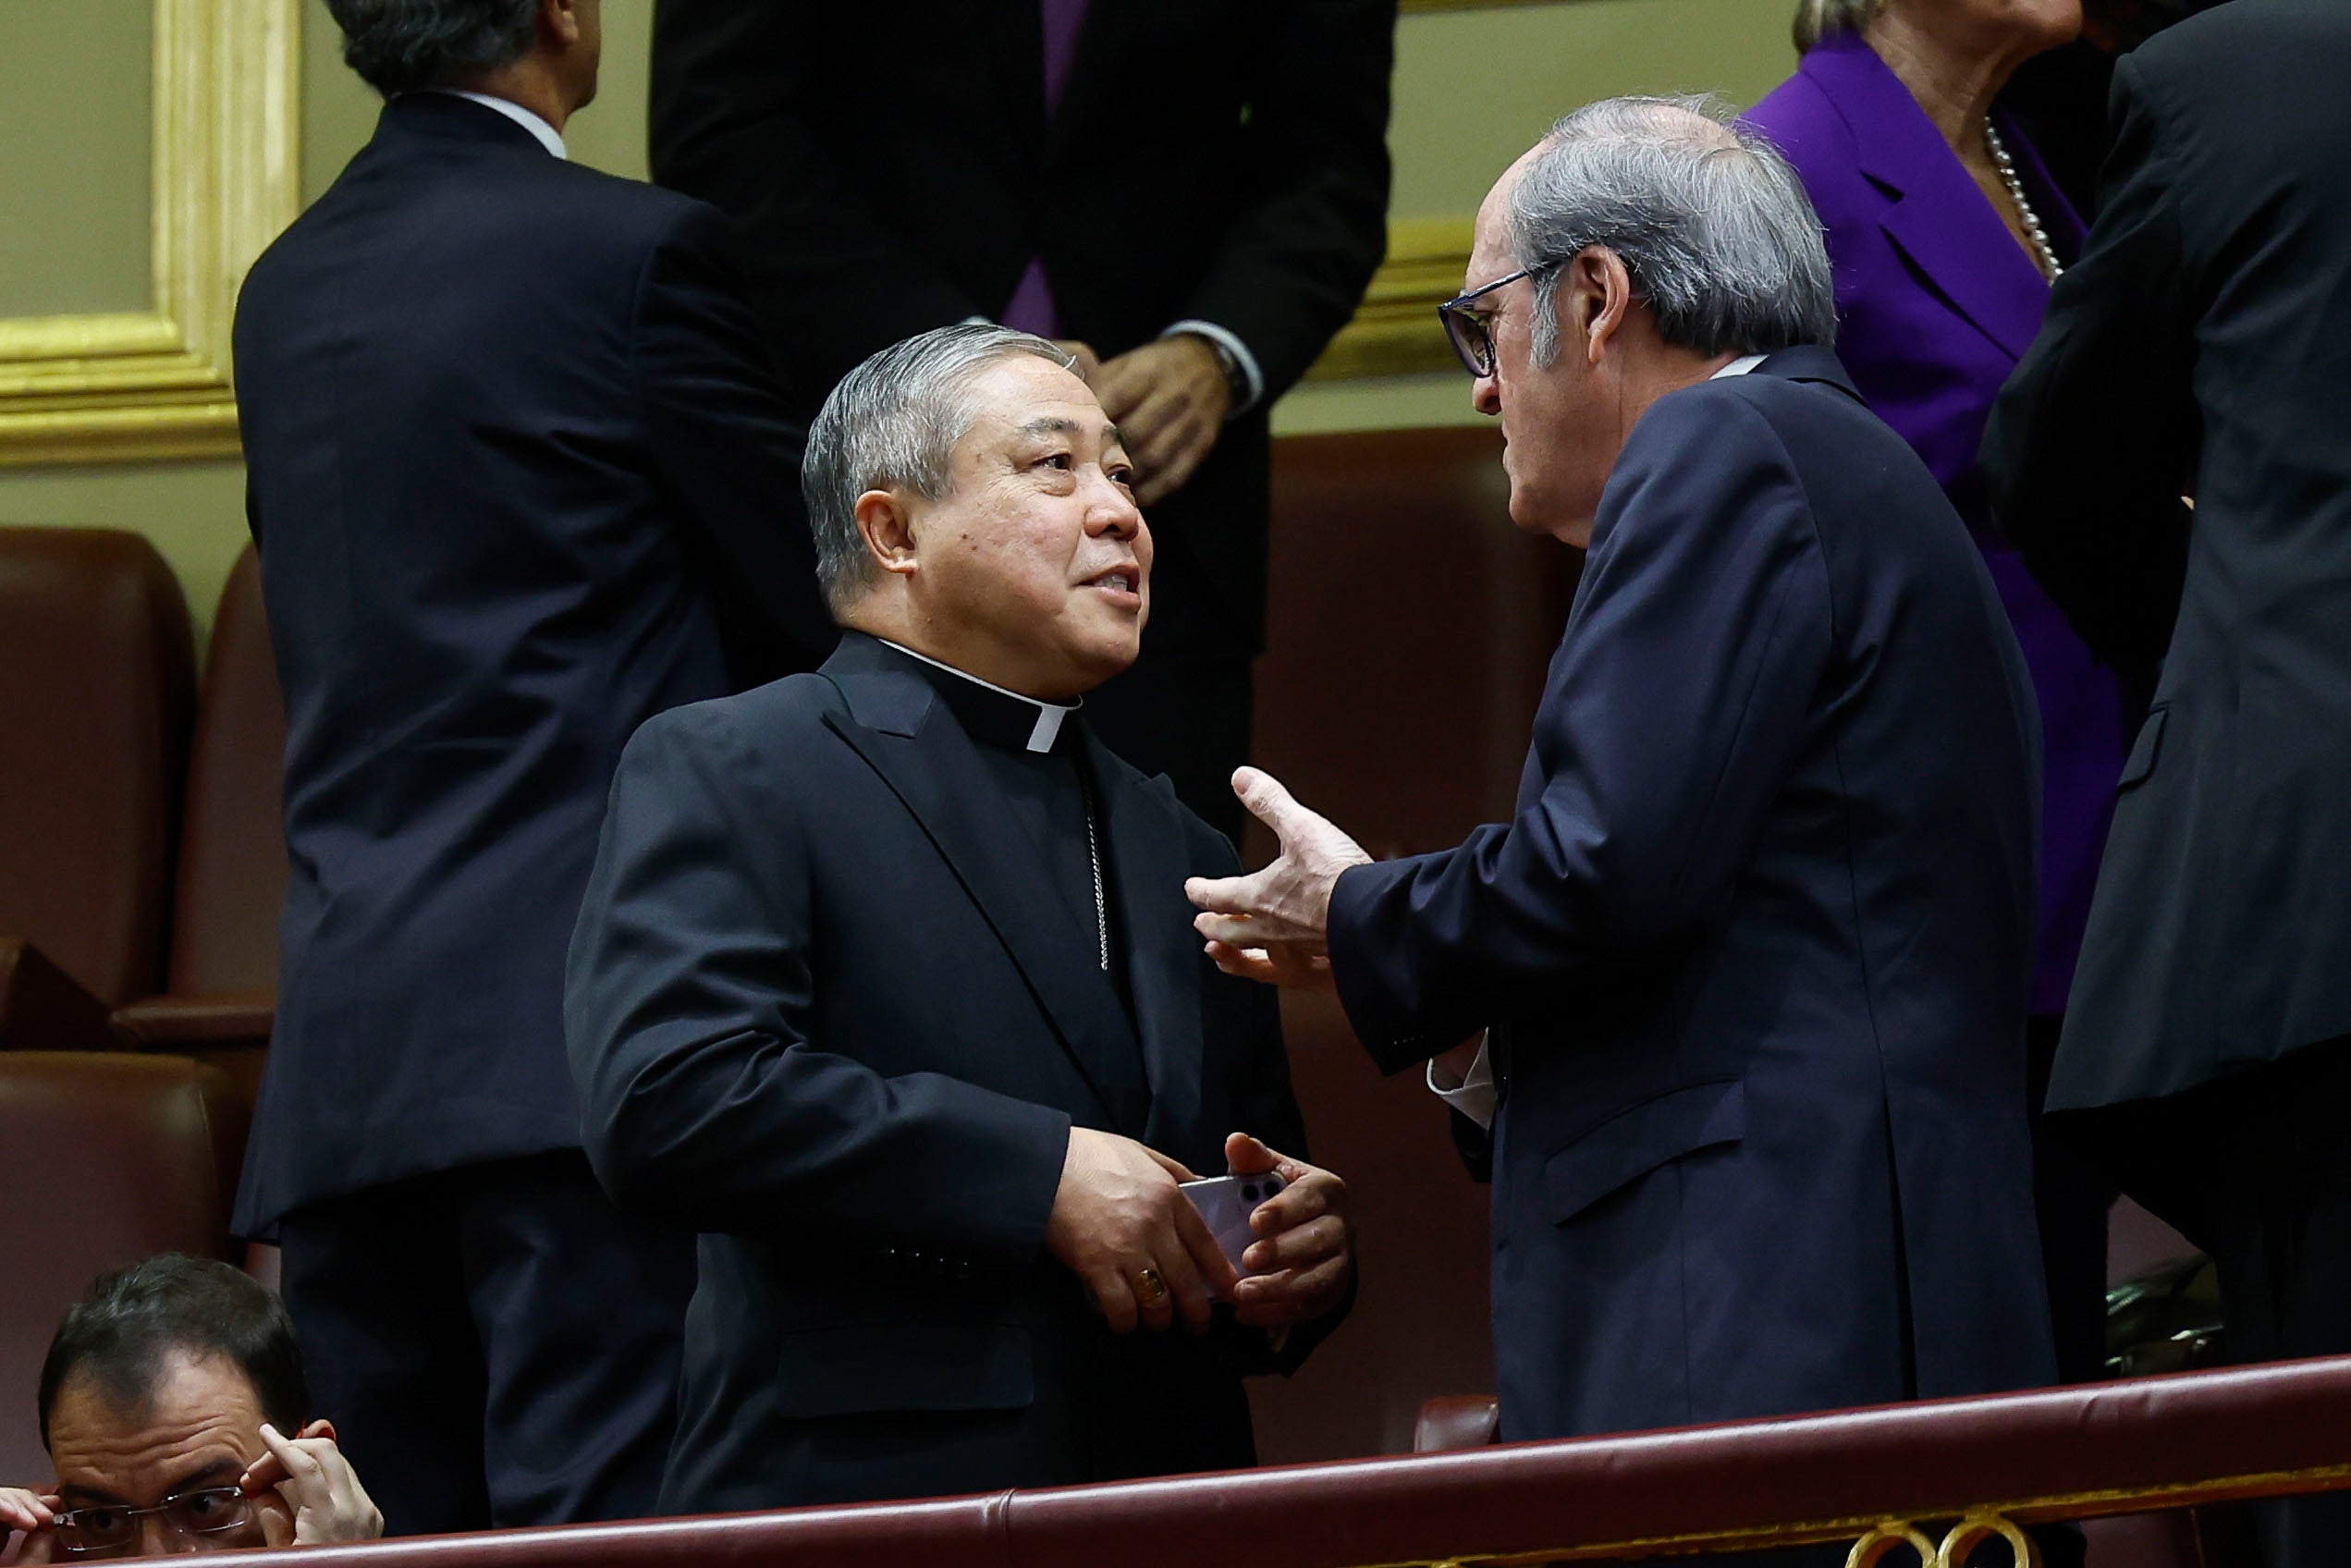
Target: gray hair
895	421
416	46
1711	223
1817	20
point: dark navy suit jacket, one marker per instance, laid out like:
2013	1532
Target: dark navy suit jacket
828	1008
507	432
1754	951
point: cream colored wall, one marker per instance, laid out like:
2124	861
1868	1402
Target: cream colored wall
73	222
1473	88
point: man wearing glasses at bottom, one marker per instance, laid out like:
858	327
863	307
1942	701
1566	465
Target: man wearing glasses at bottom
173	1405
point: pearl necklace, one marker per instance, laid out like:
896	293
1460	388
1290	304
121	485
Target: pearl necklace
2042	250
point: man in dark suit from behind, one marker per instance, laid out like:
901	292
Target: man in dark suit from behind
1750	960
2201	346
1197	189
514	466
885	983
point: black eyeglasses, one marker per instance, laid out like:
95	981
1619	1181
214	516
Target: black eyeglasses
1468	331
109	1530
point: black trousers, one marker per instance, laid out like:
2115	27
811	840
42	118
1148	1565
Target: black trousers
496	1345
2276	1220
2071	1197
2255	1170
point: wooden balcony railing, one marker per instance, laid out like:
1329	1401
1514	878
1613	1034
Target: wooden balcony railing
1927	1478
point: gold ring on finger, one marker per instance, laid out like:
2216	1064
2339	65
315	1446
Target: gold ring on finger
1150	1287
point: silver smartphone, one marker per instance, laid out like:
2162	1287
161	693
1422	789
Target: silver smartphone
1225	1203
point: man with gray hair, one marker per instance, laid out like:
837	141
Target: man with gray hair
885	982
1740	989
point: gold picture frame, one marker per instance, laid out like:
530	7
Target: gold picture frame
226	178
1394	331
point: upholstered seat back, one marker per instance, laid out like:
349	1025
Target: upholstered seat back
95	693
232	855
106	1157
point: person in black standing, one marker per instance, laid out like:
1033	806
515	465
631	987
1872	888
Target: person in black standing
1195	191
2058	98
885	982
2198	349
509	433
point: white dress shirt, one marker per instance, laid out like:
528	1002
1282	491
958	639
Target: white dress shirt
548	137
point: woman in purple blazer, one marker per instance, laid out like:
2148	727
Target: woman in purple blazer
1945	232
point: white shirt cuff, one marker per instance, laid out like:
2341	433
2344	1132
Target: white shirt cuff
1251	376
1473	1096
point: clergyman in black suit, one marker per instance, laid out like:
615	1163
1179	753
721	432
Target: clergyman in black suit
1750	960
515	465
884	982
2200	346
1197	189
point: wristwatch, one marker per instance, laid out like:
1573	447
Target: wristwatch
1236	380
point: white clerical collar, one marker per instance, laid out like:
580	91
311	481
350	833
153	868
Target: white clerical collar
1043	732
1739	366
548	137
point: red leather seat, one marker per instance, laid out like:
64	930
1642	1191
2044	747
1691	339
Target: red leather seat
1408	630
221	986
95	693
106	1157
1456	1421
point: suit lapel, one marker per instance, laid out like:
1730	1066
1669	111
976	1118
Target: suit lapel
897	725
1149	864
1936	215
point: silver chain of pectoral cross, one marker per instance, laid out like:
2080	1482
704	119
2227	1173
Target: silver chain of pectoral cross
1101	905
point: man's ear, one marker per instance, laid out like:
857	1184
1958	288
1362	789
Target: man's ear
560	20
886	525
1595	298
319	1428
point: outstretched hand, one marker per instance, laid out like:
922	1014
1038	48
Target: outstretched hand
1272	924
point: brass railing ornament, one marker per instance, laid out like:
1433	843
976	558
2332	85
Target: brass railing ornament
1958	1546
1873	1548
